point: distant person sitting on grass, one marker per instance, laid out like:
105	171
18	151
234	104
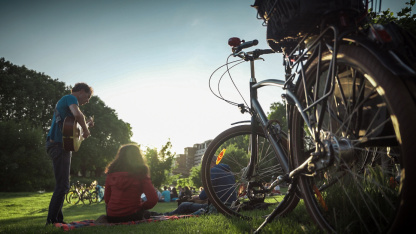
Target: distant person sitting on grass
174	194
223	177
128	176
166	194
159	195
185	195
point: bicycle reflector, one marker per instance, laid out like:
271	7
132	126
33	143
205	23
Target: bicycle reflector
220	157
380	33
234	41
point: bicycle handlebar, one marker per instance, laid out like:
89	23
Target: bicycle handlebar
252	55
245	45
257	53
237	48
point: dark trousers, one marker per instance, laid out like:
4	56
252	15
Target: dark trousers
187	208
139	215
61	161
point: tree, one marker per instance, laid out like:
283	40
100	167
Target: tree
183	182
28	95
404	18
24	165
278	112
107	135
27	103
195	178
160	164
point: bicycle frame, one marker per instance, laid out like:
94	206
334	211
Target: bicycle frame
309	93
258	115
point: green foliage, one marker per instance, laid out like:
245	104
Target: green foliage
27	95
160	164
278	112
107	135
27	103
235	152
404	17
172	179
195	176
183	182
24	165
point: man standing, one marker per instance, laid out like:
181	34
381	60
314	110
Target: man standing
68	105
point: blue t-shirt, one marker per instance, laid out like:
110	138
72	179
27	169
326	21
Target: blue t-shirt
166	195
61	112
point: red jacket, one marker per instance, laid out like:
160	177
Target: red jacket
122	194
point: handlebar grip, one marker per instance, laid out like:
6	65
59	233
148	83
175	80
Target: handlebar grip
267	51
245	45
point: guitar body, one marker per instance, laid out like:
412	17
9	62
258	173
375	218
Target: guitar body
72	135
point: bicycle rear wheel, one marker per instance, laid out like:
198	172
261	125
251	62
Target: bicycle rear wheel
367	129
239	197
94	197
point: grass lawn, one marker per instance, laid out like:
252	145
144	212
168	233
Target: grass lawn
26	213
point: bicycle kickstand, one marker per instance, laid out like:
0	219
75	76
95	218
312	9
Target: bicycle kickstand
291	192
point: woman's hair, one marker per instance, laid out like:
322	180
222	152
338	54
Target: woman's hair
129	159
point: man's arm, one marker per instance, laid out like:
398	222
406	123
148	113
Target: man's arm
80	118
197	199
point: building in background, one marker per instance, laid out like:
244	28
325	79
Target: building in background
179	165
192	157
200	150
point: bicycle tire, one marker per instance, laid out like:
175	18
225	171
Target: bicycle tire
67	197
371	110
85	197
236	141
73	198
94	197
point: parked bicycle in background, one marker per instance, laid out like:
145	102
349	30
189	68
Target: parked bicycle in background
350	95
74	194
87	195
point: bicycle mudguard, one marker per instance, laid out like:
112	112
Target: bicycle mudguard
399	57
389	58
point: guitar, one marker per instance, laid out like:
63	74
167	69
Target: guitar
72	133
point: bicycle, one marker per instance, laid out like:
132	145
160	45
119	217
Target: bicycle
75	193
350	98
90	194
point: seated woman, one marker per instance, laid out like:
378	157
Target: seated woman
174	194
128	176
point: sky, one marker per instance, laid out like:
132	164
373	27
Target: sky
150	61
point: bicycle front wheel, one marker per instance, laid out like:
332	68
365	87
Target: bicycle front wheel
73	198
226	185
367	144
85	197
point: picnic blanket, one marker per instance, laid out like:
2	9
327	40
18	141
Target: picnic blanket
89	223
